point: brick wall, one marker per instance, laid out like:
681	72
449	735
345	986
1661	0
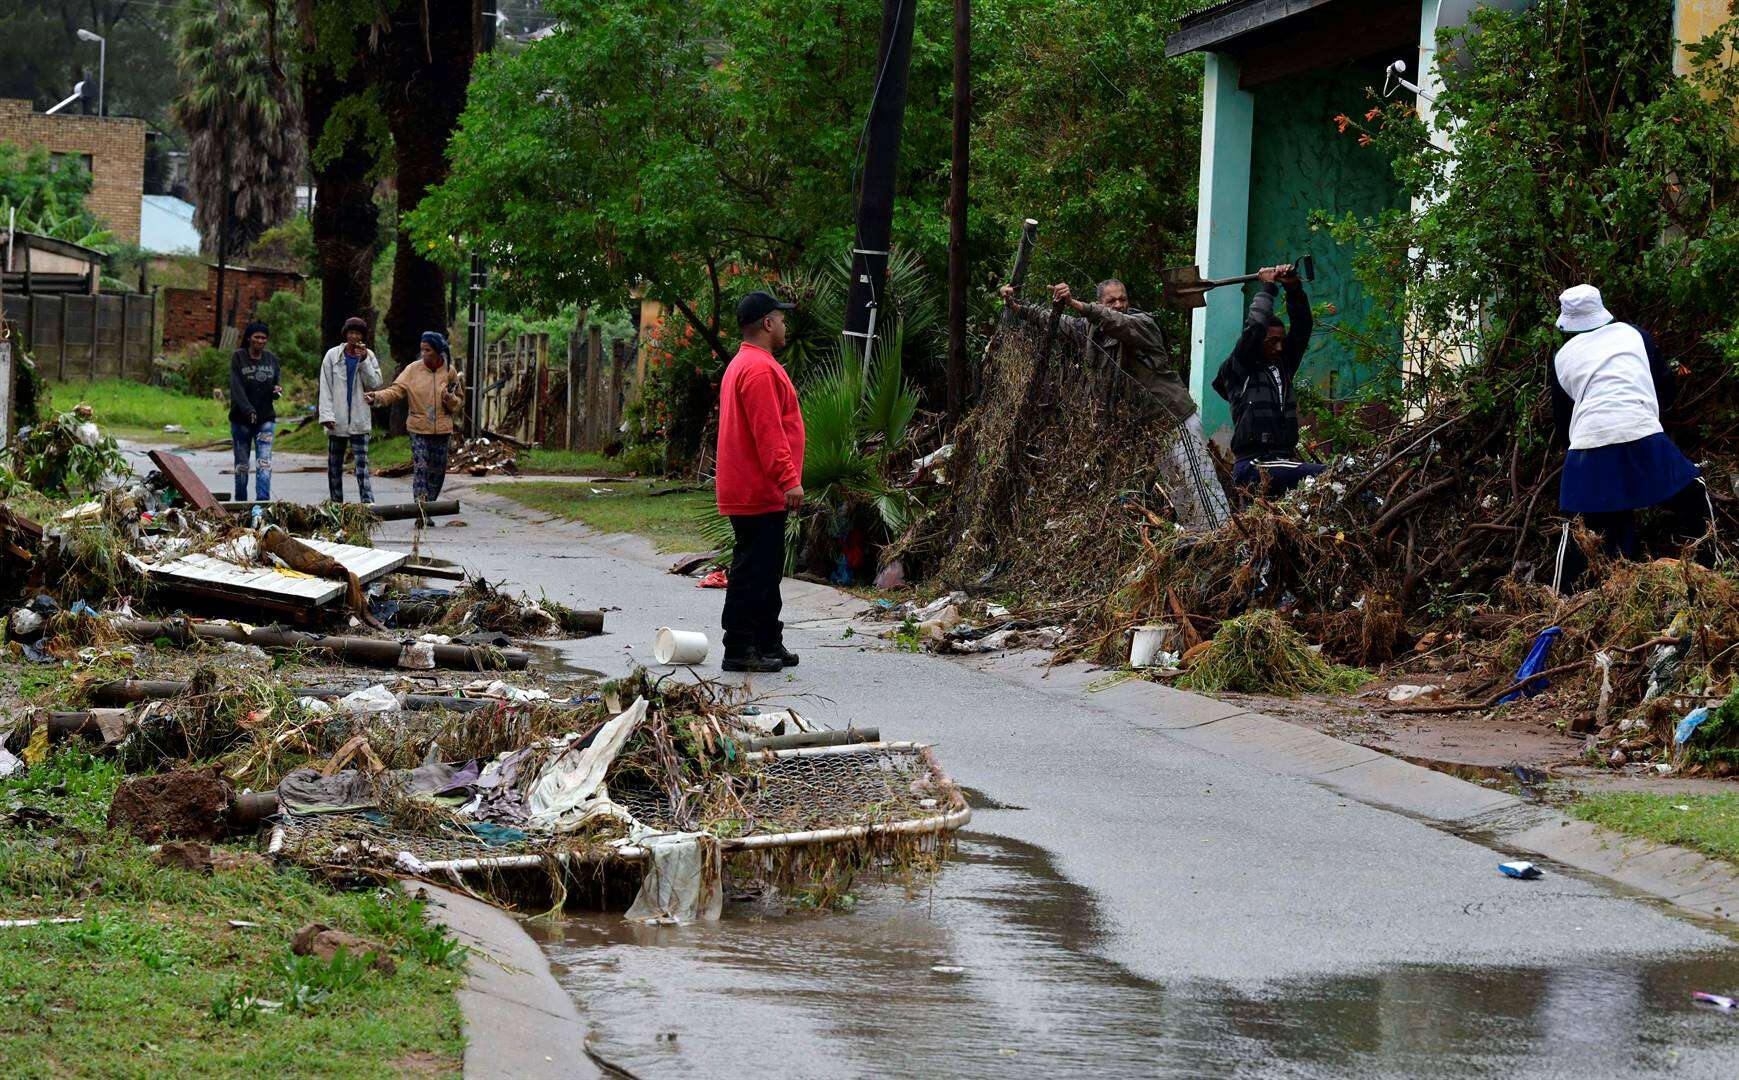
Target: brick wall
187	315
115	145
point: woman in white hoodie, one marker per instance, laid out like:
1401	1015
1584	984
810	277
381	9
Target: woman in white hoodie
347	374
1609	390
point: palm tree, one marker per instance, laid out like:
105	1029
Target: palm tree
234	104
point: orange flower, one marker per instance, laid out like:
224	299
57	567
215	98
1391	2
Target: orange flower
1365	140
1341	122
1375	112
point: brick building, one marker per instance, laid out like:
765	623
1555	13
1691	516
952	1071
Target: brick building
113	148
187	314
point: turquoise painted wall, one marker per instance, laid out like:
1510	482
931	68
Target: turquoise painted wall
1299	163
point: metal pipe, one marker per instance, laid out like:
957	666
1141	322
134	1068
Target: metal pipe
124	692
374	651
805	739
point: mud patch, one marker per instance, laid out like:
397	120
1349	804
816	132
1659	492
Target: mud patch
188	804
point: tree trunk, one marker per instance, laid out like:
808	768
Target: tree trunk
346	222
423	77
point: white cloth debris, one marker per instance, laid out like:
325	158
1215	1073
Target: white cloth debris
25	623
1408	692
571	788
936	606
9	764
375	699
417	656
776	722
682	882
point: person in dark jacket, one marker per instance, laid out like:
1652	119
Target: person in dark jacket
1257	379
1147	389
253	392
1610	389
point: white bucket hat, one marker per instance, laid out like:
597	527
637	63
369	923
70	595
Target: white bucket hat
1580	308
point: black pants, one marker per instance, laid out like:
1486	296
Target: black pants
1687	517
752	601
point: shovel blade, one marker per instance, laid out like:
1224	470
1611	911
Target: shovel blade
1183	287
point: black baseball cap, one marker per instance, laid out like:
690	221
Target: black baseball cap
757	306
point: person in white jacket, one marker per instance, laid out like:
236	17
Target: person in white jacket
347	374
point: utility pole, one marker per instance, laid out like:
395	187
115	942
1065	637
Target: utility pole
476	336
957	210
875	206
228	196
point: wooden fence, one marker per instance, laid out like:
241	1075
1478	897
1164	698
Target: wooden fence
82	337
580	408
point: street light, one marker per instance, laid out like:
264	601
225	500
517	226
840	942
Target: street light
102	62
78	91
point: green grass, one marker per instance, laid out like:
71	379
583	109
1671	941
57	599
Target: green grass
134	410
155	982
1710	825
670	521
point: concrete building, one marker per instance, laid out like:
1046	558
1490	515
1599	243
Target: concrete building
1275	74
112	148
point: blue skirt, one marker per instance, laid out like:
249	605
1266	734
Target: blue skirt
1624	476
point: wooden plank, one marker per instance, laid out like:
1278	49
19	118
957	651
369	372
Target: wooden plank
182	478
203	572
366	563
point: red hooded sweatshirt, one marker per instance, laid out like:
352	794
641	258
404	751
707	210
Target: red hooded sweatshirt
760	435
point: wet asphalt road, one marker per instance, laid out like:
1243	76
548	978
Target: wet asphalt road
1123	903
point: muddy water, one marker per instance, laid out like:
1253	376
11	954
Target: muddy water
806	994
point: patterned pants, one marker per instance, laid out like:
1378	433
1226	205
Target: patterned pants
255	439
428	466
1186	473
358	444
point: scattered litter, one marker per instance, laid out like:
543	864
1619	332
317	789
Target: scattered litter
1527	871
243	924
946	969
679	647
714	580
1406	692
1533	664
56	921
1688	726
9	764
1717	1000
417	656
688	564
1147	644
374	700
891	576
1682	806
25	623
174	429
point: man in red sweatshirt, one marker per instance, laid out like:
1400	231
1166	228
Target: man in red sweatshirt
760	480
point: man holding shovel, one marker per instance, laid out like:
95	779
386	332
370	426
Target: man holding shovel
1132	341
1257	379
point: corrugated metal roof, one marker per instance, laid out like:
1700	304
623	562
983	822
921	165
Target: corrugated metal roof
166	226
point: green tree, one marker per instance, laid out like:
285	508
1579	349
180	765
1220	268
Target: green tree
42	57
244	119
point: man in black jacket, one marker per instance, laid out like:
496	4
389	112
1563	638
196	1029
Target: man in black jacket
1257	379
253	391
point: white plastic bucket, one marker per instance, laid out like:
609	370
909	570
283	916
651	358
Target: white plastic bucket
678	646
1147	642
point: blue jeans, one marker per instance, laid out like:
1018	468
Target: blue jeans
257	438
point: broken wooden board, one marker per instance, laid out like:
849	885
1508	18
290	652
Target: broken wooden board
269	586
182	478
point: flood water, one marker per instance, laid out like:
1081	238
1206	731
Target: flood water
808	994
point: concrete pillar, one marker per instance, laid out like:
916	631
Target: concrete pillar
1222	225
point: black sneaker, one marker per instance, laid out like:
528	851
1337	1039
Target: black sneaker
780	653
752	661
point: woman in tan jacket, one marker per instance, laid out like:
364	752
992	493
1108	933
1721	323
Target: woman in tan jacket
433	388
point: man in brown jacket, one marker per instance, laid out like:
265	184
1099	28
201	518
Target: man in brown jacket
1147	381
432	385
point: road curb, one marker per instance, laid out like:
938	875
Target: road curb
519	1022
1684	878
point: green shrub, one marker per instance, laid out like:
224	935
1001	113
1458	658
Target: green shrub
207	371
295	324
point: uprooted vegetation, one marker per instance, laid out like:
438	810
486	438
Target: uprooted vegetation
1433	540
